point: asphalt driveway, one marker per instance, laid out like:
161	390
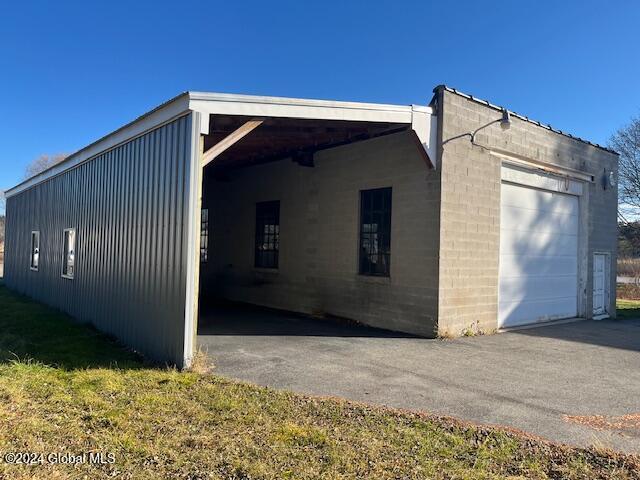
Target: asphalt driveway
528	379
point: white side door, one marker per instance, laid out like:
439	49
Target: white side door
599	284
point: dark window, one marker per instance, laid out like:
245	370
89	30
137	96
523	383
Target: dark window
375	231
267	234
204	235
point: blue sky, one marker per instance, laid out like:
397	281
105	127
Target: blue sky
71	72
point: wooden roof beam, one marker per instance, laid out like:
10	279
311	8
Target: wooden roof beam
230	140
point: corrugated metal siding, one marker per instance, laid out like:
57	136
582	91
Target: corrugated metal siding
130	209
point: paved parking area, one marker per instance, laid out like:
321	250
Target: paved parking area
528	379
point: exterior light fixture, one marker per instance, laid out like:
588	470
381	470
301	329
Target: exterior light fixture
505	121
608	179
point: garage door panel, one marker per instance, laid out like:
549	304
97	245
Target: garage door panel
528	220
521	266
515	313
546	287
538	255
538	200
537	244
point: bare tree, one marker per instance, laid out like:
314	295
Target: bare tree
626	142
42	163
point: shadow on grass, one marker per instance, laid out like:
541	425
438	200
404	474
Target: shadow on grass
32	331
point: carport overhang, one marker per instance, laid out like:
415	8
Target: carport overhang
358	120
234	131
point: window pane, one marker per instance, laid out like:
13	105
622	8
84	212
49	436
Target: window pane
68	265
375	231
35	250
204	235
72	250
66	249
267	234
377	201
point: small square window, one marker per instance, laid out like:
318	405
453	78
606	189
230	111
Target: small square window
35	250
69	249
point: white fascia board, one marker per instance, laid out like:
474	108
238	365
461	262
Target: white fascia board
161	115
248	105
257	106
424	123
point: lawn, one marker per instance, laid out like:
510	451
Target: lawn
66	389
628	308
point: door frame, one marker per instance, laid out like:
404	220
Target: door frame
607	285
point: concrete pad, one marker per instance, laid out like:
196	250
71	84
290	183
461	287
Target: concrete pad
527	379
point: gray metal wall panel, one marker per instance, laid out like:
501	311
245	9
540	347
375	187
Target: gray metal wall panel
129	207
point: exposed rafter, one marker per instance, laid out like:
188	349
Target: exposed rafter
301	153
229	140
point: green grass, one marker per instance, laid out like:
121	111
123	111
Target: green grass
628	308
66	388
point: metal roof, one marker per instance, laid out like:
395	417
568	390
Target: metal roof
521	117
233	104
221	103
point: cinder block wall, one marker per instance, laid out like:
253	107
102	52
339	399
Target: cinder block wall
470	210
319	223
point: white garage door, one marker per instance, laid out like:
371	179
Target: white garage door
538	255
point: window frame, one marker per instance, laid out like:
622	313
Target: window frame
64	253
361	232
34	234
259	237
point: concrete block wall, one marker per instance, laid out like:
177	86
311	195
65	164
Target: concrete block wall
319	228
470	207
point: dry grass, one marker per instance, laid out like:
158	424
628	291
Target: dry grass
85	394
627	291
201	362
629	267
620	423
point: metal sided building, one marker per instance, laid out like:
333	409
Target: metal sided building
422	219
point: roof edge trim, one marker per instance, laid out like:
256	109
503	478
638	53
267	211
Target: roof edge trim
521	117
298	102
167	112
230	104
283	107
